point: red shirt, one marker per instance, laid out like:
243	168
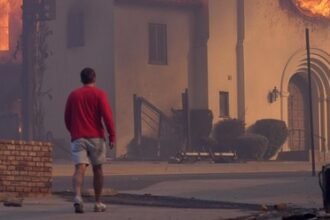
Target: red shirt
84	111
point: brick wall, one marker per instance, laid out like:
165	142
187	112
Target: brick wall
25	168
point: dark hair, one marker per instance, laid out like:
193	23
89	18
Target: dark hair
87	75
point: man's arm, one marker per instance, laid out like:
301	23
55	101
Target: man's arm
108	119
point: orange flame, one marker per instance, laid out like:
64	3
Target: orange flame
4	25
318	8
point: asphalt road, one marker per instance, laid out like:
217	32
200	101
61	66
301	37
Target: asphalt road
225	184
297	188
139	182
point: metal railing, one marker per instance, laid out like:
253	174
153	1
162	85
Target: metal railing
298	139
147	114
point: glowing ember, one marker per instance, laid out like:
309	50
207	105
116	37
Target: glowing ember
314	8
4	25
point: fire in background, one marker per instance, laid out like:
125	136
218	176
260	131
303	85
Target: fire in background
314	8
10	30
4	25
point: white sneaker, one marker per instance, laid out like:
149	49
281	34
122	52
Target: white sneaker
100	207
78	204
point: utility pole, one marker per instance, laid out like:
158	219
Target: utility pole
240	59
310	101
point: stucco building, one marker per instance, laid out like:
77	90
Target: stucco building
229	54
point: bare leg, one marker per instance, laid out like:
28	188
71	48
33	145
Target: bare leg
98	182
78	178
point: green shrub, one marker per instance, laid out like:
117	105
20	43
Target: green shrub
226	132
275	131
251	146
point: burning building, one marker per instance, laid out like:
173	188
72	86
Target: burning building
4	24
10	67
11	29
317	8
231	55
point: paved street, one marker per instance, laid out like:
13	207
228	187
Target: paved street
267	182
253	183
58	209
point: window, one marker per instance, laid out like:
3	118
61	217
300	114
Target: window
75	30
157	44
224	104
4	25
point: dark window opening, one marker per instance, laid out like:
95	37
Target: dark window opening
224	104
75	30
157	44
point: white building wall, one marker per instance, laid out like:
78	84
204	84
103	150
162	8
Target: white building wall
162	85
222	54
273	33
116	45
64	65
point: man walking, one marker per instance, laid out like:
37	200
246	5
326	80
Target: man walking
85	109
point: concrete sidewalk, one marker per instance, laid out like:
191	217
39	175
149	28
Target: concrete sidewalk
254	182
55	208
65	168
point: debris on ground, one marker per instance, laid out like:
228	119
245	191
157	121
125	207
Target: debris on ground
13	202
280	211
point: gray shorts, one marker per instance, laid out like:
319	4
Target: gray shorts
91	150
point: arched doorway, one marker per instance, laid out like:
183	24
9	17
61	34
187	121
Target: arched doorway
298	113
295	102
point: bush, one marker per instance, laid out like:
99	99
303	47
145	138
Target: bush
251	146
200	127
226	133
275	131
